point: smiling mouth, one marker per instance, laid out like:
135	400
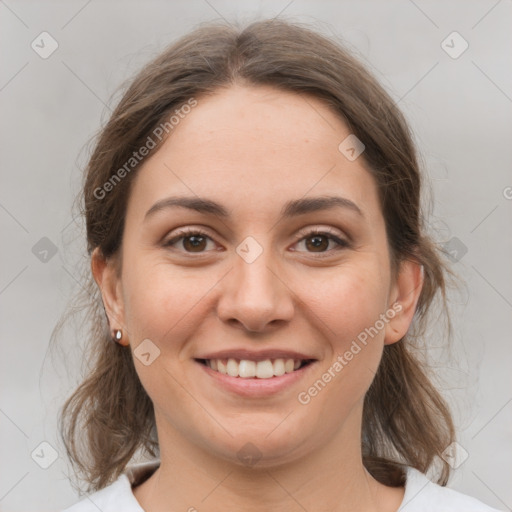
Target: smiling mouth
247	369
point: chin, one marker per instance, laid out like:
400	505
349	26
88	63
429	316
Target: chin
262	447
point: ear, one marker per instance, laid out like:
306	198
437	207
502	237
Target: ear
403	298
106	276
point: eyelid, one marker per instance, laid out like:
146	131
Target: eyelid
185	232
342	241
324	230
333	234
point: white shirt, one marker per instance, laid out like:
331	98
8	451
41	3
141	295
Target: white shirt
421	495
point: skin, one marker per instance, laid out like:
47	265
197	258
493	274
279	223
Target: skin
252	149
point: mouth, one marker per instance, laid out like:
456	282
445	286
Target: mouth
251	369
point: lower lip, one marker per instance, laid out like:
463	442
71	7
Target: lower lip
256	387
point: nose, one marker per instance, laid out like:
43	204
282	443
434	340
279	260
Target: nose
255	297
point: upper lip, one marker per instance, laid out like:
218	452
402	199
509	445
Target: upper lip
252	355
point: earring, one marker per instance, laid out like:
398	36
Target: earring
118	335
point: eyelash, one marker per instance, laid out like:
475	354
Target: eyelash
303	235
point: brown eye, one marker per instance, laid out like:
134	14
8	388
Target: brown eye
317	243
190	242
194	243
321	242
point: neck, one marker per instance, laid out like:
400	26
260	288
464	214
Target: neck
330	478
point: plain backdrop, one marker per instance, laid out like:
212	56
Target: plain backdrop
459	105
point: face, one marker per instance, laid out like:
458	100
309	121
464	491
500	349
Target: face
253	246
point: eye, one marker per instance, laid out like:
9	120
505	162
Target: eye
191	240
315	240
321	241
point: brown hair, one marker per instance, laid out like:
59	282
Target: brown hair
405	420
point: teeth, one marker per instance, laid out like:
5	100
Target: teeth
232	368
288	365
264	369
221	367
279	367
247	369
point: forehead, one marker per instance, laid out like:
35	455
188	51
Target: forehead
256	147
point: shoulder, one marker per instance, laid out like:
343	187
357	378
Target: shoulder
422	495
118	495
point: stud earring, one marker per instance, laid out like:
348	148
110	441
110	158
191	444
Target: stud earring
118	335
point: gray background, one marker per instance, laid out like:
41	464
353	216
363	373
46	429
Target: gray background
459	109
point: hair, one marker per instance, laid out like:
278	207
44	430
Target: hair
110	417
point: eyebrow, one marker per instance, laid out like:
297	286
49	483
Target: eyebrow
290	209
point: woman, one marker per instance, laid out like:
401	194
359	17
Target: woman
254	225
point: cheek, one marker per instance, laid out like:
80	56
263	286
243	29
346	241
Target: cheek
161	302
347	308
347	301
